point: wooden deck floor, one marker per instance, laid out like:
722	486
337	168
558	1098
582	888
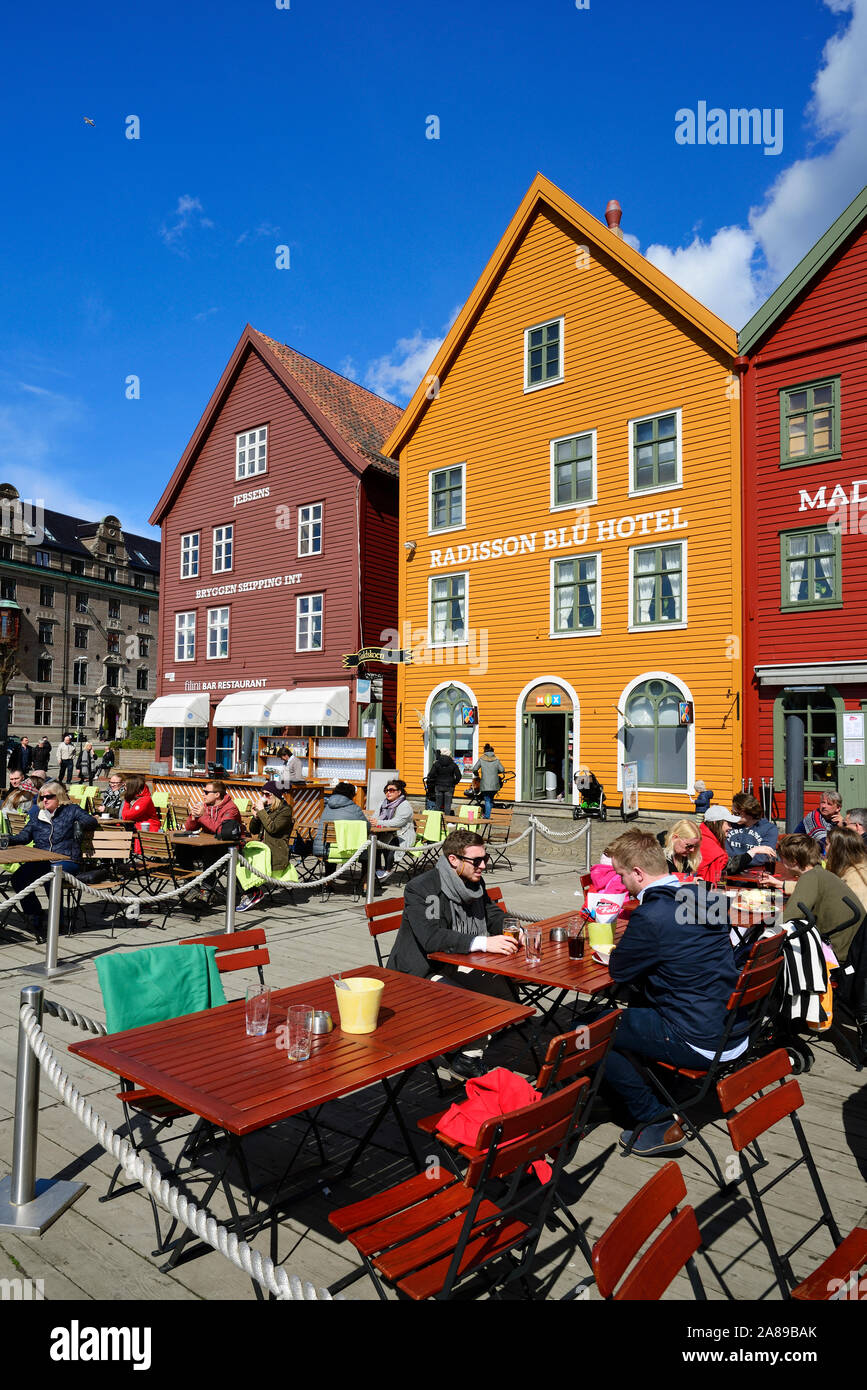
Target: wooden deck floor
102	1250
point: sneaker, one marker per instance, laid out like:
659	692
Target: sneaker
383	874
665	1136
466	1068
250	900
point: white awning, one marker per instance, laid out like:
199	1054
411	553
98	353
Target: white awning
247	708
315	705
814	673
178	712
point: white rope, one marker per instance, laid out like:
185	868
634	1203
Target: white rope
138	899
563	837
140	1169
62	1011
25	892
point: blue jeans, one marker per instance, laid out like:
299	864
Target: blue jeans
646	1033
488	801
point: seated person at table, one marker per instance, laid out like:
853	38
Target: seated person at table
272	823
836	908
340	805
218	810
604	878
448	909
397	816
847	858
137	808
20	796
55	823
681	845
754	829
686	970
856	819
817	823
716	861
112	797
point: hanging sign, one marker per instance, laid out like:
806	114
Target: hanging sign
386	656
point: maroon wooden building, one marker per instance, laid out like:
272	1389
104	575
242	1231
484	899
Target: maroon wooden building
804	418
279	558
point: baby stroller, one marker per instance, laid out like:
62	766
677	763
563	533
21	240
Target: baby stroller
591	797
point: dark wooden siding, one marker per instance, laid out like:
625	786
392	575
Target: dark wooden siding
379	523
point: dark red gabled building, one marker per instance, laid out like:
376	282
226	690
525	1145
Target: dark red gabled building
804	418
279	558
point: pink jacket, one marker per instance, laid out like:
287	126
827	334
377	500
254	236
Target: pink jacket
604	878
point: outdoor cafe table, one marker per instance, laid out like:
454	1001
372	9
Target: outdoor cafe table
206	1063
28	854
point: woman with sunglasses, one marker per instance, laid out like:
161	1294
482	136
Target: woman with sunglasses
57	824
681	846
396	819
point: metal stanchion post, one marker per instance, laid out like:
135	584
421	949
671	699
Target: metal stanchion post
55	899
28	1206
371	867
587	848
531	853
231	888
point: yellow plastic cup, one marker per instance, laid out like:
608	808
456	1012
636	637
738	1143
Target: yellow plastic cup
601	933
358	1004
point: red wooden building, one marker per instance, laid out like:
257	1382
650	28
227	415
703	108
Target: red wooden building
279	558
804	419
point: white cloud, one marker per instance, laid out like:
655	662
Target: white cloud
185	215
205	314
348	368
264	229
738	267
398	373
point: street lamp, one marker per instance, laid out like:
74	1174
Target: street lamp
10	631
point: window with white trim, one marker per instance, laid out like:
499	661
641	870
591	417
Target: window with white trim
185	636
251	452
575	595
447	487
190	555
310	529
308	622
448	609
224	537
218	633
655	452
573	470
543	354
658	585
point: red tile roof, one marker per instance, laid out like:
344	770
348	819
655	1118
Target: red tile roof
362	418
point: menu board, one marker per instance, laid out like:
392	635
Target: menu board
630	789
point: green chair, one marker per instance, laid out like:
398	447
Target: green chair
349	836
5	829
260	854
243	804
86	796
422	854
161	801
469	812
76	792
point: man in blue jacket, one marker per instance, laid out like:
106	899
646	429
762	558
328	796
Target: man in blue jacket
677	949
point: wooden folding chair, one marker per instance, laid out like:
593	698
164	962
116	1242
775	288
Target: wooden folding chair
672	1249
766	1108
157	870
343	839
427	1235
112	850
497	837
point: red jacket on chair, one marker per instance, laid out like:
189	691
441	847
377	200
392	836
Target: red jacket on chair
142	811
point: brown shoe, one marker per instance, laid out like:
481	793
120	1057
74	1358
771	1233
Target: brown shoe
665	1136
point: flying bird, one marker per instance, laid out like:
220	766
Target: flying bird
88	121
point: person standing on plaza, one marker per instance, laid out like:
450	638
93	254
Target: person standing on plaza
442	780
84	764
41	754
21	757
65	760
491	773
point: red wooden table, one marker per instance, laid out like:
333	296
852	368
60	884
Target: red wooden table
556	970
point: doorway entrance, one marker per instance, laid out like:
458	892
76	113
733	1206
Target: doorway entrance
547	742
110	721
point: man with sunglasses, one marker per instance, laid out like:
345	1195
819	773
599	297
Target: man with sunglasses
55	823
448	909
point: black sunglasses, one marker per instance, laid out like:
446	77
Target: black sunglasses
474	858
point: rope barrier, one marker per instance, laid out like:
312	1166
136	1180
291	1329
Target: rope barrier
307	883
138	899
67	1015
251	1262
563	837
25	892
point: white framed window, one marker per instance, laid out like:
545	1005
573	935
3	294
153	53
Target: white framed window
576	590
251	452
447	609
543	355
657	586
190	555
224	545
310	529
185	636
189	749
655	453
573	470
308	623
447	499
218	633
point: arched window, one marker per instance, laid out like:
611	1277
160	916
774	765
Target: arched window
447	728
653	736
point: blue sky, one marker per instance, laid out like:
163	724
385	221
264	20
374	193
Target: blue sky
306	127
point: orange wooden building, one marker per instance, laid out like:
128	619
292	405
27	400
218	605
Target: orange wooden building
570	555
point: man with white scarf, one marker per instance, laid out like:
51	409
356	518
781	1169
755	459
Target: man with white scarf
448	909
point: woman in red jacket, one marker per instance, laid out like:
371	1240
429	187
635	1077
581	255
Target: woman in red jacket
715	858
137	805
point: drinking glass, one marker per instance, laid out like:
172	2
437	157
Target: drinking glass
299	1025
533	945
512	928
258	1010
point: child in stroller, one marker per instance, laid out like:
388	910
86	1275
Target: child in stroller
591	797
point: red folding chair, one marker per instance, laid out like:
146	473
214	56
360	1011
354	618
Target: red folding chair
766	1108
672	1250
426	1235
